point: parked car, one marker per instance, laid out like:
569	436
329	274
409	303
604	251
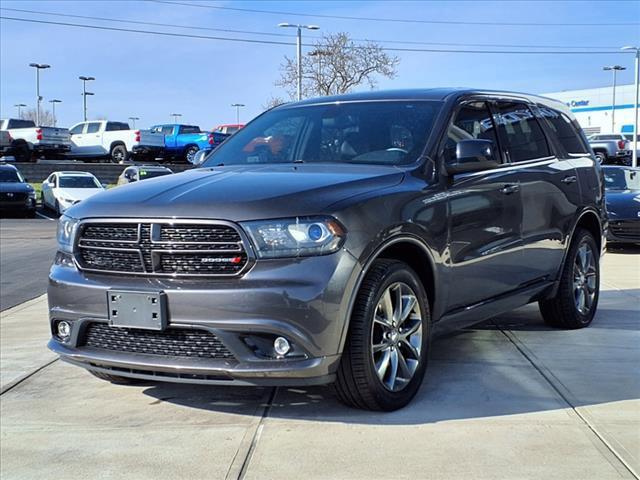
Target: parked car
329	239
114	140
135	173
62	190
229	128
629	138
16	195
611	148
622	186
29	141
183	141
5	143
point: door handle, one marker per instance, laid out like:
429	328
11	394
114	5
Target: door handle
509	189
571	179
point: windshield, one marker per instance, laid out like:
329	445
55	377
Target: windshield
383	133
144	174
78	182
10	176
621	179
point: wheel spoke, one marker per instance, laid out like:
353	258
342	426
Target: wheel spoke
387	306
587	298
409	302
580	300
393	372
378	347
411	328
382	321
383	364
405	371
397	308
414	351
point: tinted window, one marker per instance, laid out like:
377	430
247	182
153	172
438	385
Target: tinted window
389	133
73	181
629	136
9	175
523	136
77	129
93	127
15	123
167	130
566	131
115	126
189	129
606	137
473	121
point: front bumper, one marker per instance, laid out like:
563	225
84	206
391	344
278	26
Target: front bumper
624	231
304	300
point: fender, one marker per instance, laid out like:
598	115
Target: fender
403	237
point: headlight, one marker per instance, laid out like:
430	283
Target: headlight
66	232
295	237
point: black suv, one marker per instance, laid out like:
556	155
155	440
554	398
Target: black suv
16	195
330	239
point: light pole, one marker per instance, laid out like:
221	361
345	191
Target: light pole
175	117
38	67
319	54
299	51
634	162
133	121
238	106
19	106
615	69
53	107
85	93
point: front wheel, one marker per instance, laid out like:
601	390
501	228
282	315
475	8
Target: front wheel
575	303
385	355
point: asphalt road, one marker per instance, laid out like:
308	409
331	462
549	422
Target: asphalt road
27	248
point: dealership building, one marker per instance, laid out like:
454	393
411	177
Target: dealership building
593	108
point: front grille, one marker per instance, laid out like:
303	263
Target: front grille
13	197
161	248
172	342
625	228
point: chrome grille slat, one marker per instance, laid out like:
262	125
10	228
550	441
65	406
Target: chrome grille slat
160	247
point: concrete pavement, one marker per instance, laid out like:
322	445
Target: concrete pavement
507	399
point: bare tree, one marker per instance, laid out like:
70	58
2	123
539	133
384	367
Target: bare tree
273	101
337	65
46	117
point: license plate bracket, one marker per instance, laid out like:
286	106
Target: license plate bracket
137	309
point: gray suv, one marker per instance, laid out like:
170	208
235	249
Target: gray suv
329	241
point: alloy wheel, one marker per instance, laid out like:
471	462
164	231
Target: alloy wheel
584	278
396	336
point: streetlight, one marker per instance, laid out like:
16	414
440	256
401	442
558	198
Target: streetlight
133	121
299	50
19	106
634	162
53	106
38	67
238	106
615	69
319	54
85	93
175	117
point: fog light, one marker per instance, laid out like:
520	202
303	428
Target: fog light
64	330
281	346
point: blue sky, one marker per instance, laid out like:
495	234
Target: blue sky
152	76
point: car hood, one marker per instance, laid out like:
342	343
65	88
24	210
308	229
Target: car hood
239	193
15	187
77	194
623	204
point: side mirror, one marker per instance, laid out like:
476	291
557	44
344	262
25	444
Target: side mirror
473	156
199	157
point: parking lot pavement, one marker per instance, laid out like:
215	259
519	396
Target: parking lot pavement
507	399
28	248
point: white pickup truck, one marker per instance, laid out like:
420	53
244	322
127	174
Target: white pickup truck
29	141
114	140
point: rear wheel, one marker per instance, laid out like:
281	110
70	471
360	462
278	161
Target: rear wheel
575	303
385	356
190	153
22	153
115	378
119	154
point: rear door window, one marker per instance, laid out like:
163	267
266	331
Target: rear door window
522	136
189	129
567	132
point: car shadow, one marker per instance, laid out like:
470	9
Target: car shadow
473	373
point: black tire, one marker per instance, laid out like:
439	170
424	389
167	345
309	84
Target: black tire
30	214
563	311
357	384
22	153
189	153
56	208
115	378
119	154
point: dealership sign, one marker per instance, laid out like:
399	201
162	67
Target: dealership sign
578	103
